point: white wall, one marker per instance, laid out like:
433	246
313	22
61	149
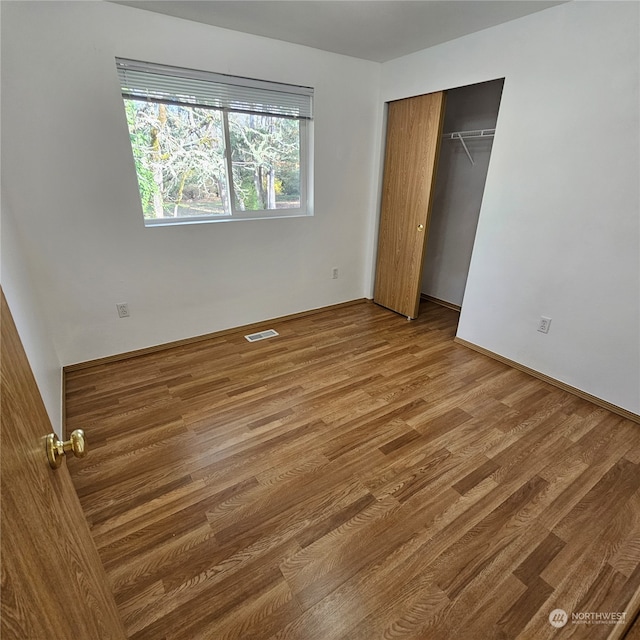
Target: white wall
69	169
458	190
20	291
558	233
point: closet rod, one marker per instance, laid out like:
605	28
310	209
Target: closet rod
475	133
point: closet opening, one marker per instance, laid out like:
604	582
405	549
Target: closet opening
470	118
436	160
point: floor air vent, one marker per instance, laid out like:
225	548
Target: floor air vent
254	337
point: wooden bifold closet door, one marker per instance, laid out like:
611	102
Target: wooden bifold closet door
414	129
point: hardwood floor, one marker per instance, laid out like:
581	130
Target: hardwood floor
357	477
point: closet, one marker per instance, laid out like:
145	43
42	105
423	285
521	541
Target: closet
436	160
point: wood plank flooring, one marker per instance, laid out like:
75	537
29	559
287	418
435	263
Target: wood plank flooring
357	477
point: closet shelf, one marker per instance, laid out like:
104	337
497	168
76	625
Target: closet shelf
469	135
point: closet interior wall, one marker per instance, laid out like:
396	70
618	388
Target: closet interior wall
458	190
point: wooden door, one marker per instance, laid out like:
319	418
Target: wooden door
53	583
414	129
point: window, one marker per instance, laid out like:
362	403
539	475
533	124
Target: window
210	147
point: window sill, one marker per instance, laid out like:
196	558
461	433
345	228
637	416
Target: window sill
172	222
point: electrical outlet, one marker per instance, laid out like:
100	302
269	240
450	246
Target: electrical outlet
544	324
334	273
123	309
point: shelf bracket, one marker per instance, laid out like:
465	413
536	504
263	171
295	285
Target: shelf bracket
466	150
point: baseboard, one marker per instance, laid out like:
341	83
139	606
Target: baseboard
442	303
634	417
247	328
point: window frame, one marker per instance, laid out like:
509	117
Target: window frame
305	146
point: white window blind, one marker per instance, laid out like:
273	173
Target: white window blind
155	82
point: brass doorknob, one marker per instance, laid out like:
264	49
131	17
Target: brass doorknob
420	227
56	449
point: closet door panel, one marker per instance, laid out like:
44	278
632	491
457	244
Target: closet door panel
414	129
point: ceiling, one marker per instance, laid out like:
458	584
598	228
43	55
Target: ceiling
377	30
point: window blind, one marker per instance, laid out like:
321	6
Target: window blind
162	83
